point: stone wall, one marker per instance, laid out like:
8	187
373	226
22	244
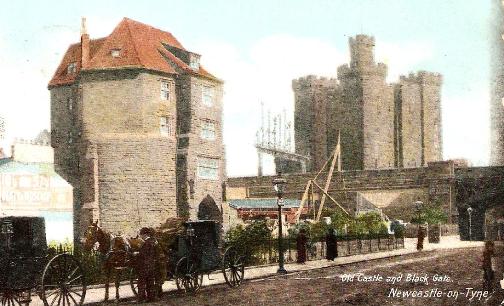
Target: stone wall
134	189
393	190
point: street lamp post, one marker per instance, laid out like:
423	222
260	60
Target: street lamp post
279	184
469	211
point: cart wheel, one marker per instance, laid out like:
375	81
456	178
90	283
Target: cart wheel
187	276
133	278
63	281
10	298
233	267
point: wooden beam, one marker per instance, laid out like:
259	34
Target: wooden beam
331	198
328	181
303	200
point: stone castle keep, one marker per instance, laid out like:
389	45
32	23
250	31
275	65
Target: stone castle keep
381	125
137	130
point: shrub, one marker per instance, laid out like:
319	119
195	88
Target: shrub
251	240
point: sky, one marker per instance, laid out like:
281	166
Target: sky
258	48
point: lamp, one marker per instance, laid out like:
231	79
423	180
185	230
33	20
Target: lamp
279	186
469	211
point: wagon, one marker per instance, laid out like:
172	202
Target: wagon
28	266
198	252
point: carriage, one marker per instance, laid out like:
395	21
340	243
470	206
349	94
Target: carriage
199	251
27	266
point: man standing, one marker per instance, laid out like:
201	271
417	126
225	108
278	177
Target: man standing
147	263
331	245
420	237
301	246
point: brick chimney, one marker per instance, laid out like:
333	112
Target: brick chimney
84	44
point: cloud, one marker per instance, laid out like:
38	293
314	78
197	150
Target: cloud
264	74
466	125
402	58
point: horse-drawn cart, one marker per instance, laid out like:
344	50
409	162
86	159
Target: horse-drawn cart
27	266
197	251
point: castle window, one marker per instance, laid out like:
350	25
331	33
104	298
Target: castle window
207	96
70	137
165	90
115	52
208	168
72	68
165	126
207	130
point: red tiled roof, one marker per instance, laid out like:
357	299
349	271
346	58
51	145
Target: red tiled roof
140	46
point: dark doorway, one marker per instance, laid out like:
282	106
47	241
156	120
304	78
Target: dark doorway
208	210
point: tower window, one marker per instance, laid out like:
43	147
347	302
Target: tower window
165	90
208	168
207	95
70	104
165	126
207	130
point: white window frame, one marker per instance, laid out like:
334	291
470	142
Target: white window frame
165	126
208	130
207	96
165	90
194	62
115	53
72	68
208	168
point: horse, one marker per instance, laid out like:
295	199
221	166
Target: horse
118	252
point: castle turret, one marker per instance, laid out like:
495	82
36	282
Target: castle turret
361	51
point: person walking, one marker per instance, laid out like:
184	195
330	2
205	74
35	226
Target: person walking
488	273
147	264
420	238
331	245
301	246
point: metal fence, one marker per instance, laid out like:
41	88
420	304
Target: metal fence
316	249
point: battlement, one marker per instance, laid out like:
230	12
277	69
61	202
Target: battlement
314	81
362	39
425	77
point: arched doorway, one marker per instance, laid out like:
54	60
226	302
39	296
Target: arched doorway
208	210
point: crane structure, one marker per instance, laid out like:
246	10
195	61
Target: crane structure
335	160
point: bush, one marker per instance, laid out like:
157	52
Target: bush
251	240
431	214
397	228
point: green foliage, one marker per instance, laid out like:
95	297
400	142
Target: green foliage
339	219
430	213
398	229
251	240
368	224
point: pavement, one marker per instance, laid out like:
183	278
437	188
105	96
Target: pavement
96	293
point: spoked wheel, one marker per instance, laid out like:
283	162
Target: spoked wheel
63	282
233	267
10	298
187	275
133	278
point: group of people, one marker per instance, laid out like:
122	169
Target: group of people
331	245
147	264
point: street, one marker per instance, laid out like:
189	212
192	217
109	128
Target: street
438	277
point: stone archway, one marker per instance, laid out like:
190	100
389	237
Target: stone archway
208	210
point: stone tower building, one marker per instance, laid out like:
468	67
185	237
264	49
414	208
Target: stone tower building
136	126
381	125
497	85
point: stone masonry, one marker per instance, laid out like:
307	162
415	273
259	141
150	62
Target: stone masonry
127	121
381	125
